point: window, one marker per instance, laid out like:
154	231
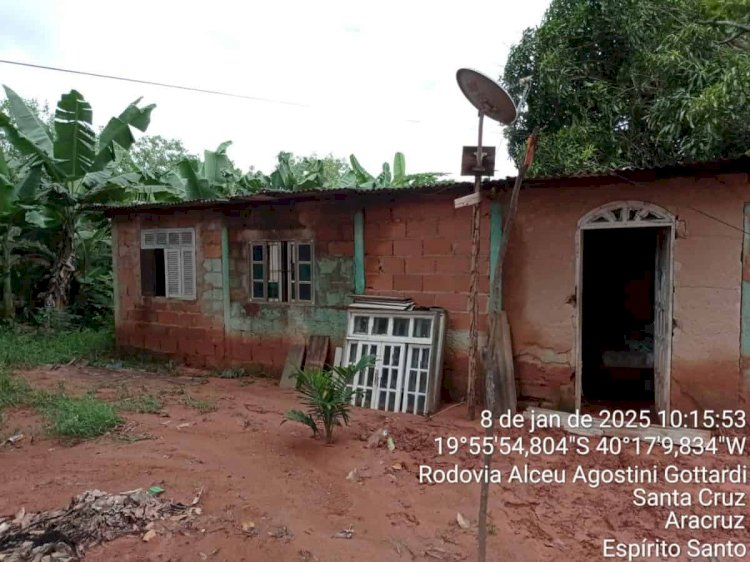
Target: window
168	263
281	271
408	353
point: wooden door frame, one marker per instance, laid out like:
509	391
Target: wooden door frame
622	214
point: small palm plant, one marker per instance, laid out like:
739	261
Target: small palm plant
327	394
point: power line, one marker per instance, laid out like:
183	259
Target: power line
151	83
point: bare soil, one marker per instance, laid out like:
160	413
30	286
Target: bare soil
291	491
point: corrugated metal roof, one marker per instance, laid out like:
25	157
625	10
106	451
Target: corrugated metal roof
741	164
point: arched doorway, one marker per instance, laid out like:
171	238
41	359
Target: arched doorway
624	306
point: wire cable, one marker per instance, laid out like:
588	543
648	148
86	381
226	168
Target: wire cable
151	83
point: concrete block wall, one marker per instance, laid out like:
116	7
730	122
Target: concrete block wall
260	332
190	330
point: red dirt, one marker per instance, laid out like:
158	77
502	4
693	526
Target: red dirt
253	469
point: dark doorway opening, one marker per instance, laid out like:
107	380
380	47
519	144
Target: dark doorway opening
617	344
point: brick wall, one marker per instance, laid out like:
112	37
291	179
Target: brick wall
189	330
420	247
416	246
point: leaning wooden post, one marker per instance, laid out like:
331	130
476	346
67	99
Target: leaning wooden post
489	356
476	216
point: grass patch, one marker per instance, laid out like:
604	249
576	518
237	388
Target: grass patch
68	416
27	347
143	404
80	417
203	406
14	391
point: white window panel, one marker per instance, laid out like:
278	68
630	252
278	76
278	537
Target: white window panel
390	383
416	379
407	347
364	382
179	258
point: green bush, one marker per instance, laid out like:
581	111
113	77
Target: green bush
77	417
327	394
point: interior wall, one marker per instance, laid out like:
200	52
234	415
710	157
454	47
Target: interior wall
540	295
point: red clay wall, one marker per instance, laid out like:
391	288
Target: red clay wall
539	289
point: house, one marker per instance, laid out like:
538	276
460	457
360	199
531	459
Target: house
628	287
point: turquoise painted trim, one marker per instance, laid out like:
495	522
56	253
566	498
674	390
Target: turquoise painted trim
225	276
359	252
745	295
496	239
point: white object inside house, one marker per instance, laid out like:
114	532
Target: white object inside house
408	350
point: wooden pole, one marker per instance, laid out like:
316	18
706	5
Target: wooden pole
471	383
492	367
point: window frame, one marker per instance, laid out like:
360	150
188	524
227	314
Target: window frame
180	247
291	264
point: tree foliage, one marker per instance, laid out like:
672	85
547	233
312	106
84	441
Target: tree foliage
153	156
617	83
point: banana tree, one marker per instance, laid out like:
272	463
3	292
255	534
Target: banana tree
18	188
214	177
78	169
388	177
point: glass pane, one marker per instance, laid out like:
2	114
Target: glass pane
396	355
386	356
257	252
425	362
410	403
420	404
414	358
394	378
380	326
400	326
360	324
422	327
353	352
422	382
413	380
305	252
258	290
305	272
273	290
305	292
258	271
370	376
368	398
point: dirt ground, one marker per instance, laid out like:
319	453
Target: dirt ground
294	489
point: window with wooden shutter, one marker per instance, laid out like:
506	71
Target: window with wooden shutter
168	263
282	271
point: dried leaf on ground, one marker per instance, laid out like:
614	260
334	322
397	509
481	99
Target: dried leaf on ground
91	518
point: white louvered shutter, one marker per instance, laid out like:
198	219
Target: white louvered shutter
148	239
188	273
173	273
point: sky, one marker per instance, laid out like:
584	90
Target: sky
369	78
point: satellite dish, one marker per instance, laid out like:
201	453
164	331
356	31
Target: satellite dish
487	96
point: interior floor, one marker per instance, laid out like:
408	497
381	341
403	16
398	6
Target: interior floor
618	317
